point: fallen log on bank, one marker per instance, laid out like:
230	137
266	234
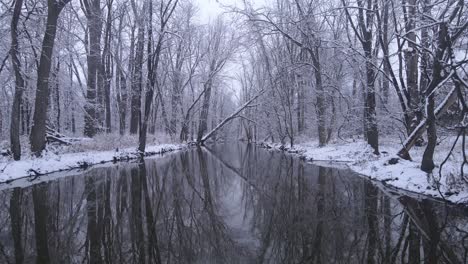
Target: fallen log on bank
53	136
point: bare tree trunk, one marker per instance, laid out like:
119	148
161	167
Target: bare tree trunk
186	123
214	111
38	131
23	113
154	116
57	96
372	132
425	42
135	107
320	100
137	76
122	100
202	123
19	83
165	119
71	116
176	87
152	70
120	80
93	15
386	68
363	30
300	104
411	61
107	66
1	121
427	163
153	63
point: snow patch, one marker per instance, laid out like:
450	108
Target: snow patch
50	162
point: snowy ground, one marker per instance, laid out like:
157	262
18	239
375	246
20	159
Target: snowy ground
80	155
404	174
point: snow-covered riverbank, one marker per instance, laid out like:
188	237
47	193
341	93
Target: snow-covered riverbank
387	167
10	170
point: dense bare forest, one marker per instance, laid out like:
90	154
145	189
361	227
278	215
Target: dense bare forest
302	131
94	72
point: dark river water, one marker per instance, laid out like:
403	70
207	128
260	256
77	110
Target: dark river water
230	203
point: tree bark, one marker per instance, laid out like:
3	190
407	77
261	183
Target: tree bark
57	96
152	70
320	98
202	124
19	83
185	124
386	68
137	76
427	163
120	80
41	104
411	61
107	66
93	15
372	132
176	87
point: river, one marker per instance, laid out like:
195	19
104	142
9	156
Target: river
231	203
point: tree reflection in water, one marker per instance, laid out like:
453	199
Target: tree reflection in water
225	204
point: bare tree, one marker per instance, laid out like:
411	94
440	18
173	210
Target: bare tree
219	52
38	131
92	9
364	32
137	74
166	10
19	83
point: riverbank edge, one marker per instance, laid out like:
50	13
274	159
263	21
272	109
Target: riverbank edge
53	163
374	167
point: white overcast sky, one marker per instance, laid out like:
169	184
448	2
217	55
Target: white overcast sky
209	9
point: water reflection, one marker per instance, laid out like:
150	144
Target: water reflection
224	204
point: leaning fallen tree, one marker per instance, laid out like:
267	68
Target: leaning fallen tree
449	100
53	136
235	114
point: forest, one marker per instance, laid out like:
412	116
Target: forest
233	131
385	78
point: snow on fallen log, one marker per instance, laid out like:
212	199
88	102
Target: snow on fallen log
54	136
230	117
51	139
5	153
449	100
